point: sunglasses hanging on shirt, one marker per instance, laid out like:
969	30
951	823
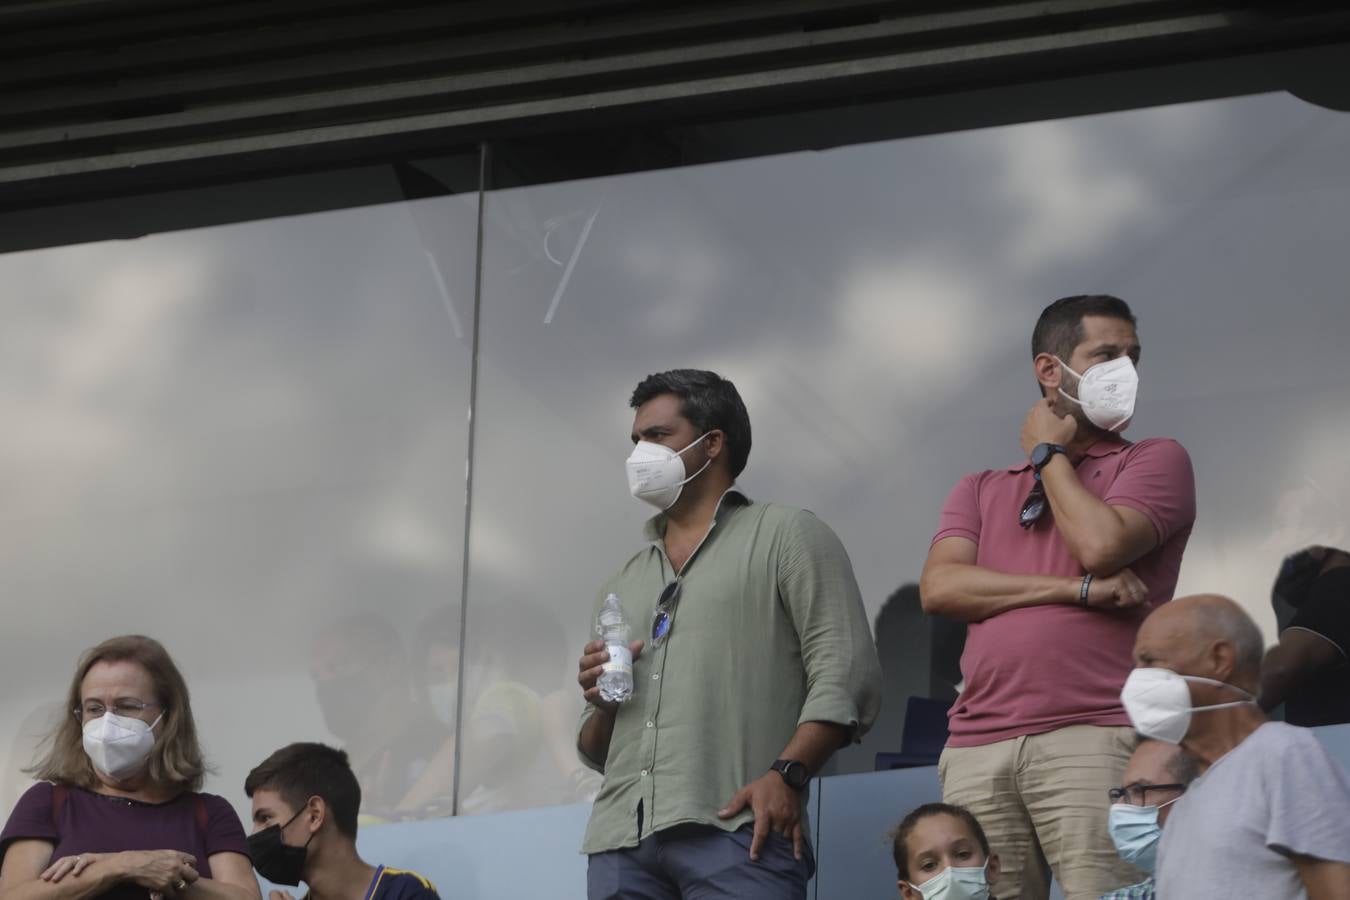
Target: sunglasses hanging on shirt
664	617
1034	506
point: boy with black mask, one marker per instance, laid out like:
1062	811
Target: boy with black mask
305	803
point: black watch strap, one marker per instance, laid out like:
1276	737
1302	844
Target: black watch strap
794	773
1041	455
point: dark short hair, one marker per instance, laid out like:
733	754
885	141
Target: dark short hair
1060	327
1184	767
709	402
900	837
303	770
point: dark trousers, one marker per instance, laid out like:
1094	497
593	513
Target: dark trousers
699	862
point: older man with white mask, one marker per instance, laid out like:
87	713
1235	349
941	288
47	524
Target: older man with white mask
1270	816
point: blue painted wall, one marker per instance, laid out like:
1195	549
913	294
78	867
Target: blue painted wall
533	855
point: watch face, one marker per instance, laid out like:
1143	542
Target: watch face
1041	454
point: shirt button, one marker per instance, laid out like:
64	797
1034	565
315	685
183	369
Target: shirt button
656	676
651	724
644	773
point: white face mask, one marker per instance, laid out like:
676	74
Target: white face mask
118	745
956	883
1158	702
443	697
656	473
1106	392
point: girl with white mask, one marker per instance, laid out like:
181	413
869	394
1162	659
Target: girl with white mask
941	852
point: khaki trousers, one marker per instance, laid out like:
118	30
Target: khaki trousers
1042	802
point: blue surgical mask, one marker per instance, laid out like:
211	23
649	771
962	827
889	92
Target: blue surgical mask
956	883
1135	832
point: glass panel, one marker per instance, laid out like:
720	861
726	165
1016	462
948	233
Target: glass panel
249	442
874	305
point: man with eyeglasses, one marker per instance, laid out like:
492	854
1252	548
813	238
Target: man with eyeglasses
756	664
1155	779
1053	563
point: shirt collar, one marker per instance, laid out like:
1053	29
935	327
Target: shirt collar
655	528
372	887
1107	446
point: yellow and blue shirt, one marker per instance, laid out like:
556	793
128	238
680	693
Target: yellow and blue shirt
399	884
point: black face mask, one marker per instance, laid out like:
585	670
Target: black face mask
275	860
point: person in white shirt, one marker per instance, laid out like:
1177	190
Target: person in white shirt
1270	816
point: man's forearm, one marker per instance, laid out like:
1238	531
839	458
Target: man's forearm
1094	533
1323	879
813	743
593	741
1277	679
972	593
1297	659
214	889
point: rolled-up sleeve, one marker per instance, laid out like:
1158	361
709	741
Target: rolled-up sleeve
816	583
586	761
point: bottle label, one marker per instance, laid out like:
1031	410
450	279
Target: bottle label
620	660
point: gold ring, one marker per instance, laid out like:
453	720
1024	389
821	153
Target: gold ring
180	885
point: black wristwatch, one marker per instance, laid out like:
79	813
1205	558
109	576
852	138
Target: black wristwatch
794	773
1041	455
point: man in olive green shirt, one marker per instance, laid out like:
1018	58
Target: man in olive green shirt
756	664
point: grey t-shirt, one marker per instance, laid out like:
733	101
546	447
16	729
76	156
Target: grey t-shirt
1277	793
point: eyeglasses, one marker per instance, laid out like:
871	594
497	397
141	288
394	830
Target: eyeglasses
664	617
1136	794
95	710
1034	506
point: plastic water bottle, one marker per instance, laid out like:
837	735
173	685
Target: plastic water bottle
616	678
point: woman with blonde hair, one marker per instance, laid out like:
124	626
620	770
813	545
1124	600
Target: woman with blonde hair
117	811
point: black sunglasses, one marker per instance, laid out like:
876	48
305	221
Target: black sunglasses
1138	793
1034	506
664	617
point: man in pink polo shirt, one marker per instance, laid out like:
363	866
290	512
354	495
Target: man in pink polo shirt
1054	562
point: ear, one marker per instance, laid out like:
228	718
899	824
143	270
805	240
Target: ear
991	873
1222	659
716	443
316	813
907	892
1049	373
1214	656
